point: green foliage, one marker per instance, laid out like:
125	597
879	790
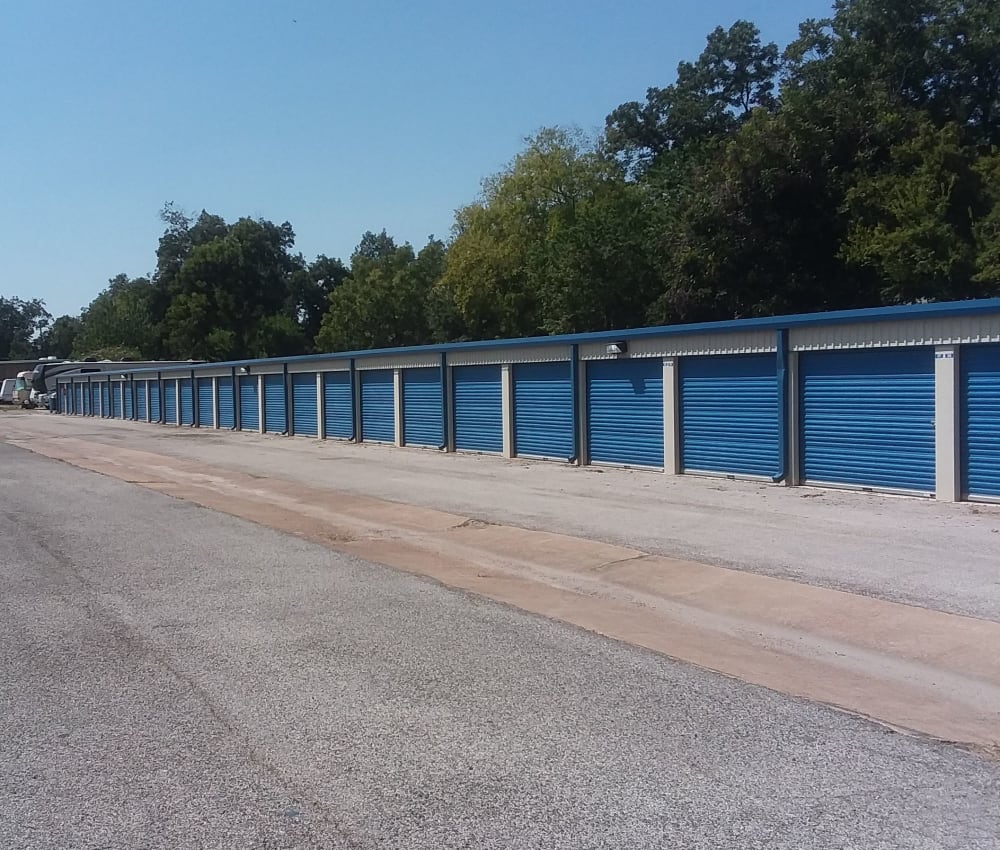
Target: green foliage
21	323
59	339
118	319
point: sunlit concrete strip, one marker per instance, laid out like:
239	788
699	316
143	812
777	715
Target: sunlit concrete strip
912	668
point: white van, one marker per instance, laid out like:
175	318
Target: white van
7	391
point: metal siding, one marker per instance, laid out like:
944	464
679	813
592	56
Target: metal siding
478	395
980	367
105	399
95	399
338	413
154	400
543	410
170	401
625	412
729	414
227	417
249	412
127	396
140	400
423	412
275	420
867	418
378	406
305	419
187	402
116	399
206	403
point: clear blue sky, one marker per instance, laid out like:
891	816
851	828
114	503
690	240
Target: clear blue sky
337	117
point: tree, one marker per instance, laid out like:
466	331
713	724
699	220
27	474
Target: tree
21	322
59	339
119	320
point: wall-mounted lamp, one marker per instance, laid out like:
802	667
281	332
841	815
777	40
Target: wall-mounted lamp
244	370
617	348
123	377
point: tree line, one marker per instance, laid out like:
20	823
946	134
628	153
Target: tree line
858	166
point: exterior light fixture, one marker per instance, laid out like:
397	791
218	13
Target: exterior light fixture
123	377
617	348
244	370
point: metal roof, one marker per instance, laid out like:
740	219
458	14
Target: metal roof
937	310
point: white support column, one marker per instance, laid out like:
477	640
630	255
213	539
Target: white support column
320	410
671	419
149	411
793	475
397	404
581	413
261	427
215	402
449	389
177	402
946	423
507	407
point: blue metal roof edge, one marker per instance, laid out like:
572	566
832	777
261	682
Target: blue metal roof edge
933	310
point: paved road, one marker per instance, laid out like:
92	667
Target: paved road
175	678
916	551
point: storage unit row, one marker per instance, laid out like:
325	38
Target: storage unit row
779	404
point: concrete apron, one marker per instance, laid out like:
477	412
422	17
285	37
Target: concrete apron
911	668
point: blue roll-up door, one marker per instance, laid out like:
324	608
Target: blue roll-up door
867	418
543	410
478	408
78	399
275	417
625	411
206	403
154	401
249	403
338	413
95	399
128	400
980	368
116	399
378	406
423	412
170	401
140	400
187	402
105	399
227	414
305	416
729	414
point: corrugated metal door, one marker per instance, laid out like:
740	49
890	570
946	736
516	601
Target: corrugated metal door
868	418
478	398
543	410
95	399
625	411
154	400
206	403
305	416
980	368
170	401
78	399
729	414
423	412
187	402
275	418
116	399
105	399
140	400
378	406
338	414
127	387
249	403
227	415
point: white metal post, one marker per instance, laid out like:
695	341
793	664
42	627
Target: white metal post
671	408
397	404
320	409
260	404
947	446
507	408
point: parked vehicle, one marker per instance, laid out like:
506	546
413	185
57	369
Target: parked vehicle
7	391
22	390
